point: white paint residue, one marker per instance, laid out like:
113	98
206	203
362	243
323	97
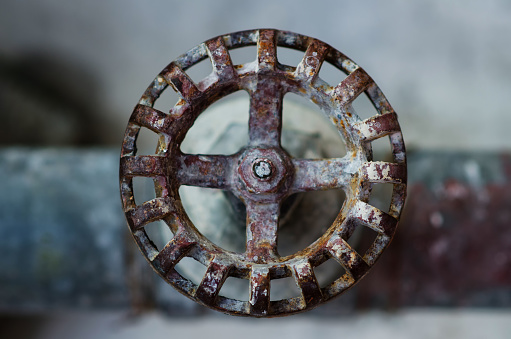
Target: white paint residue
386	172
364	129
352	166
301	267
164	208
209	289
349	65
370	213
159	123
336	247
372	173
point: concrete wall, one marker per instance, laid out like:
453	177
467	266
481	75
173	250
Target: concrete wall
445	67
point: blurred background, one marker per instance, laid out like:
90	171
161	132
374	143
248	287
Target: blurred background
70	75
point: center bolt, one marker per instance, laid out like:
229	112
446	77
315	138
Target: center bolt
262	168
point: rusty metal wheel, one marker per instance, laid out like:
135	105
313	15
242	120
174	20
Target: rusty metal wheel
263	174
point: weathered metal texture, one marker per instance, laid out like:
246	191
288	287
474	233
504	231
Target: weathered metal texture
262	189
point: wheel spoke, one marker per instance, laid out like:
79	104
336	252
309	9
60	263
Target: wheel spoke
153	119
377	127
266	51
322	174
373	218
379	244
265	121
352	86
220	58
347	257
212	282
143	166
308	68
181	82
149	211
384	172
212	171
259	290
262	224
380	102
175	249
306	281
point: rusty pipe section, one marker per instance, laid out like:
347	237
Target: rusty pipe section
262	174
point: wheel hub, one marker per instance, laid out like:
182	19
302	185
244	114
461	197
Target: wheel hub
263	169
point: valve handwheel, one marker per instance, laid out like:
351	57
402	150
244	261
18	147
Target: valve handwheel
263	174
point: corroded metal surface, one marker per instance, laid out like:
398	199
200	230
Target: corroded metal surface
263	174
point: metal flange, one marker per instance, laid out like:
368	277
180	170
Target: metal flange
263	174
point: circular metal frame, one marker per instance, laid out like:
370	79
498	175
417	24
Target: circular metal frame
266	81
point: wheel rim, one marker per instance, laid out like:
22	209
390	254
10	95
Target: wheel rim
263	174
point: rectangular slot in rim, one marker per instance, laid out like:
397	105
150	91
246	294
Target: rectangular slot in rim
143	189
159	233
